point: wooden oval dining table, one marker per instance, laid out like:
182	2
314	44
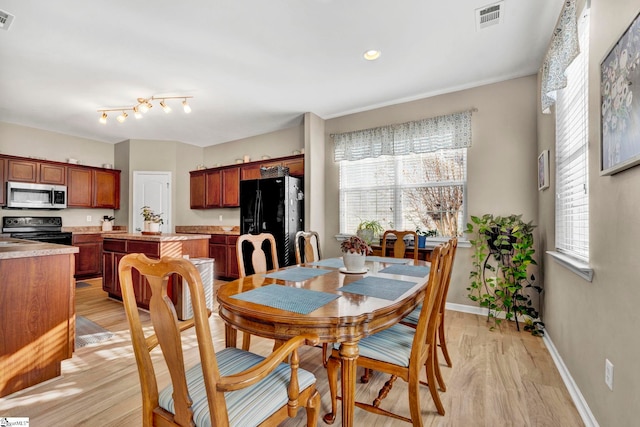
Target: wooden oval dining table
345	319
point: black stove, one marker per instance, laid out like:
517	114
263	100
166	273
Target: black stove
46	229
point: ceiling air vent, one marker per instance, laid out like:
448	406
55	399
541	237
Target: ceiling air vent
489	15
5	20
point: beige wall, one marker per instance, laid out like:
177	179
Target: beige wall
590	322
501	163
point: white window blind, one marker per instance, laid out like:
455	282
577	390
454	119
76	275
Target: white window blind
572	193
405	192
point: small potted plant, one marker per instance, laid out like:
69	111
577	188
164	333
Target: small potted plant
152	220
107	223
368	230
354	252
422	237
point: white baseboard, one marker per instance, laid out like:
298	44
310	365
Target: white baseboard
577	397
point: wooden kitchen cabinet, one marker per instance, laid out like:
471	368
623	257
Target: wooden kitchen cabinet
218	251
93	187
79	187
114	248
106	189
250	172
197	188
89	258
215	188
52	174
24	170
222	248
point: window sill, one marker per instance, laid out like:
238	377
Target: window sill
432	242
580	268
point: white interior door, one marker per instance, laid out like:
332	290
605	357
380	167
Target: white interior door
152	189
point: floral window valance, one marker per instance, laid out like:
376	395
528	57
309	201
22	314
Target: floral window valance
421	136
562	51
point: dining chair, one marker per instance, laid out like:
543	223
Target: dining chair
307	247
252	258
399	247
412	319
230	387
401	351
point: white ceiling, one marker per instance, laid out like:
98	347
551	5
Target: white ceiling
252	66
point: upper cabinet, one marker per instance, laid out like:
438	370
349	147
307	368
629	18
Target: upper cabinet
220	187
215	188
93	187
87	187
36	172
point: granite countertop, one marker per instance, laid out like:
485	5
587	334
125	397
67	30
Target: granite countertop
94	230
208	229
18	248
164	237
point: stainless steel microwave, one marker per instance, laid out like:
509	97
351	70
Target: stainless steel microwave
36	196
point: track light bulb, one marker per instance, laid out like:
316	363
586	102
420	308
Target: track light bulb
165	107
122	117
103	118
136	112
186	107
144	108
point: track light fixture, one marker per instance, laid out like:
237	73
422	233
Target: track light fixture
144	105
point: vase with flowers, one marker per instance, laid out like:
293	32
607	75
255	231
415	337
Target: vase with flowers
354	253
152	220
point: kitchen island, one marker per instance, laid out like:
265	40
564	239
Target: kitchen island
37	311
117	245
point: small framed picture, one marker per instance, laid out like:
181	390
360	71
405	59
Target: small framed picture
543	170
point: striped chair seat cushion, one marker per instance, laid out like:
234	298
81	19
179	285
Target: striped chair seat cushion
247	407
392	345
412	317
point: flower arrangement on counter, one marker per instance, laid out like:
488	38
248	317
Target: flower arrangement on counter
148	215
355	245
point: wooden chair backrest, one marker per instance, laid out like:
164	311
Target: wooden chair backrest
167	330
447	280
427	326
307	247
258	255
399	246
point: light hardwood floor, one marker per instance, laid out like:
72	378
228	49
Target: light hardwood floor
499	378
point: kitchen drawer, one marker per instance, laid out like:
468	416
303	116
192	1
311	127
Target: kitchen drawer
151	249
87	238
115	245
220	239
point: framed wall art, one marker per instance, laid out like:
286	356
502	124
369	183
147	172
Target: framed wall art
543	170
620	106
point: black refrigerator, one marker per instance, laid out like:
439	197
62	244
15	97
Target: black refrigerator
276	206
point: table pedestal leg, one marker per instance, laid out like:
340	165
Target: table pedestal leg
348	358
230	336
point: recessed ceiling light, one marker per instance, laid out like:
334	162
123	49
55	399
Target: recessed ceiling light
372	55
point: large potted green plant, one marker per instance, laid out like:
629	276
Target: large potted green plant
502	253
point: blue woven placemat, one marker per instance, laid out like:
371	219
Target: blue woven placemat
388	260
407	270
378	287
329	262
297	274
297	300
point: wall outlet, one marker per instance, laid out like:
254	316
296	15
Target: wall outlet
220	218
88	218
608	373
